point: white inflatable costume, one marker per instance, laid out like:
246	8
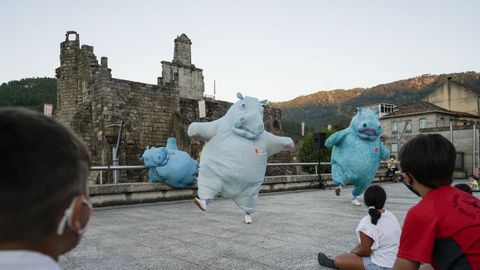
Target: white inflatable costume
234	159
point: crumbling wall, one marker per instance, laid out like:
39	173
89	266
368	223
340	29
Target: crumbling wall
91	101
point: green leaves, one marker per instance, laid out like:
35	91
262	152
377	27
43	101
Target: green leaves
30	92
308	153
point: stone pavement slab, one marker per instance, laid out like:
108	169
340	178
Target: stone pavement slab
288	231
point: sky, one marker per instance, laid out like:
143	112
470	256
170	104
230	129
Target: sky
271	49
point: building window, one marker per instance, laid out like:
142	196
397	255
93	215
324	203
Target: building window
423	123
441	122
394	147
394	127
386	108
408	128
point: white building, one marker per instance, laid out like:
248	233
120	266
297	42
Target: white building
409	120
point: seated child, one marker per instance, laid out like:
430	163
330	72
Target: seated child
378	234
443	228
391	166
474	183
43	190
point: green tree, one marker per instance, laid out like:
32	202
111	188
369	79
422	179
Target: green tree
308	153
30	92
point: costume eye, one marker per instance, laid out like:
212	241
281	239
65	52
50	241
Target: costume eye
243	105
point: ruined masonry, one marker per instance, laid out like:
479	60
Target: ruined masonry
89	100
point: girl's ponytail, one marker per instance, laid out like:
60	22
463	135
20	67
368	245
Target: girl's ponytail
375	198
374	214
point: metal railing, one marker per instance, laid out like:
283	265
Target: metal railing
303	164
142	167
116	168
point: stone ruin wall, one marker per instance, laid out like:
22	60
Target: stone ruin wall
184	78
89	99
147	111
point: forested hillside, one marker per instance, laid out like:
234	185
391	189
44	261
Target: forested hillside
319	109
337	106
31	93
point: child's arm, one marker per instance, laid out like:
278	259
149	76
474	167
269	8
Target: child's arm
364	248
404	264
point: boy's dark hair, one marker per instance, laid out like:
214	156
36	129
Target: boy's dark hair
464	187
430	159
392	156
44	165
375	196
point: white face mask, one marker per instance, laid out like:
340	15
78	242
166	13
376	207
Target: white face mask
67	217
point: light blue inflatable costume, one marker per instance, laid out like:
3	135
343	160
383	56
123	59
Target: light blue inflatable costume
234	159
357	151
170	165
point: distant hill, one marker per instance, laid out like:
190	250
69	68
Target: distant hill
31	93
337	106
319	109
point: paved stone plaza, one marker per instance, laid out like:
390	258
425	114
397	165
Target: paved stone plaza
288	231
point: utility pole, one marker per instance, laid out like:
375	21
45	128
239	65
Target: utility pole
451	131
400	135
303	124
116	150
474	154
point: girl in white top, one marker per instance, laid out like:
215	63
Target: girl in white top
378	235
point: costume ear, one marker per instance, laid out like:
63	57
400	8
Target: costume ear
263	102
239	95
171	144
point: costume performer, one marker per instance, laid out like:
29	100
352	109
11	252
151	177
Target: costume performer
170	165
234	159
356	153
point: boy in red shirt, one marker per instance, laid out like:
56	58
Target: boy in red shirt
444	227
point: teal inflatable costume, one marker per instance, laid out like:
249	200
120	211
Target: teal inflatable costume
170	165
357	151
234	159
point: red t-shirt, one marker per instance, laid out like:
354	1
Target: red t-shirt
443	229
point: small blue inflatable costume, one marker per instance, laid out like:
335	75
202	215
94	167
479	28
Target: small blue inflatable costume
234	159
170	165
357	151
